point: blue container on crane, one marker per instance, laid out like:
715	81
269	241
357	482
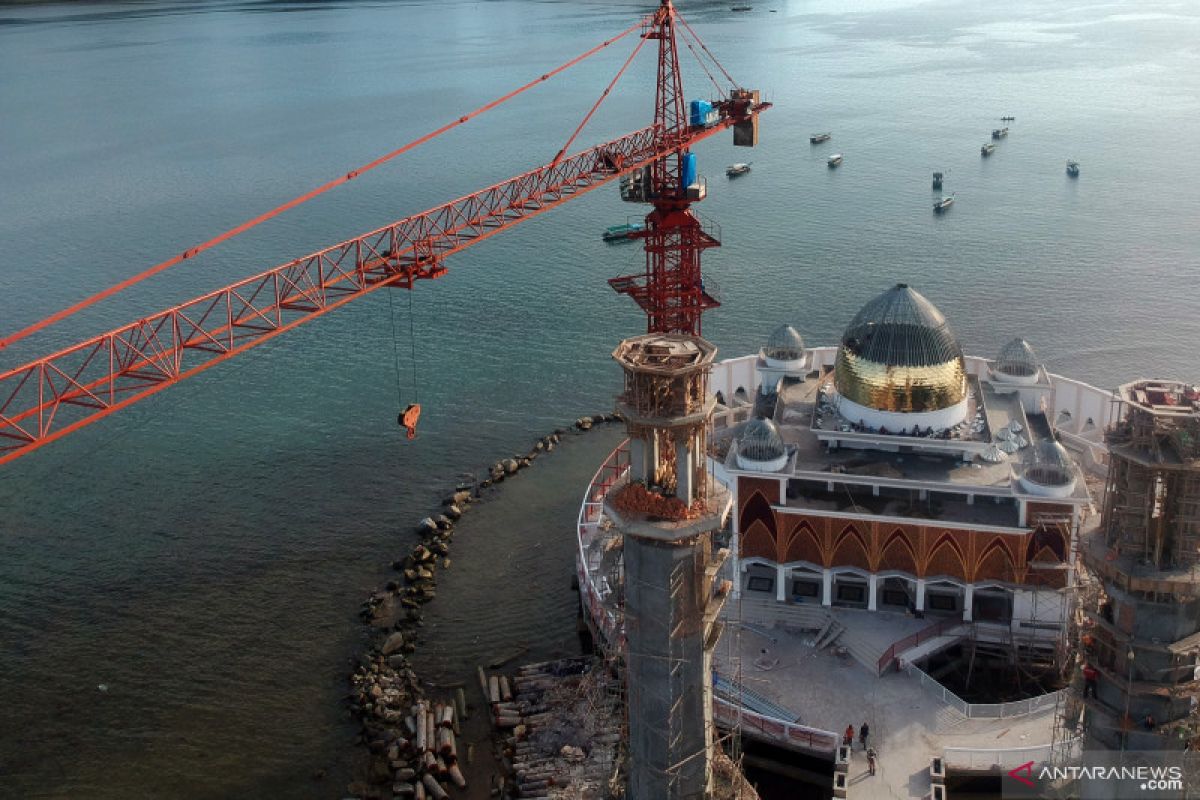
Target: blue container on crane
701	114
689	169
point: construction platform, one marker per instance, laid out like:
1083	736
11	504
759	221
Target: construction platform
912	719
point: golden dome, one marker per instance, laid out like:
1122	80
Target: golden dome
898	354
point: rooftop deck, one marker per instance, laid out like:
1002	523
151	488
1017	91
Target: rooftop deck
909	724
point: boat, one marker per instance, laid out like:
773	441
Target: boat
621	233
937	180
1008	119
817	138
834	160
999	133
1073	169
942	203
734	170
987	149
741	8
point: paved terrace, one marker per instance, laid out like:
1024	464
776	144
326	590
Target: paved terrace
909	725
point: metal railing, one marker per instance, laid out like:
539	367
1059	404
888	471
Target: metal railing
1013	708
778	731
912	640
613	471
1000	758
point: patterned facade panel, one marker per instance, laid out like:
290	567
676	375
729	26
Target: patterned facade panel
898	548
995	562
803	544
851	548
756	541
946	554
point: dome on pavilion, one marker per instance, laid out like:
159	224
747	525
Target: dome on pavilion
784	344
1017	359
899	355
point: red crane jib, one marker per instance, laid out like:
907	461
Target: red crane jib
48	398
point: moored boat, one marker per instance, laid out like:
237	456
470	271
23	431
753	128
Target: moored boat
621	233
734	170
937	180
999	133
817	138
834	160
987	149
942	203
1073	169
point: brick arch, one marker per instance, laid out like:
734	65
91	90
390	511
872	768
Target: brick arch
757	508
997	562
803	546
850	550
898	553
757	542
945	557
1045	541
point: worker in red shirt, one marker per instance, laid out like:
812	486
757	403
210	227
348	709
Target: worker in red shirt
1089	680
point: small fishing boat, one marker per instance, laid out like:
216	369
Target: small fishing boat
834	160
1073	169
741	8
942	203
1008	119
621	233
999	133
937	180
987	149
734	170
817	138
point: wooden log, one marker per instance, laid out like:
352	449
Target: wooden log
457	776
460	700
470	754
435	789
430	731
483	685
493	689
422	742
446	718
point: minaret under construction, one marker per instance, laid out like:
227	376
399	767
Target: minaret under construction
1142	640
667	513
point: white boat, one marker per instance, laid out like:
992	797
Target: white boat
987	149
733	170
942	203
834	160
817	138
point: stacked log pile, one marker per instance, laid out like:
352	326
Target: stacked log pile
559	729
385	690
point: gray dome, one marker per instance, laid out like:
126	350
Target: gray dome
784	344
901	328
1017	359
760	441
1050	465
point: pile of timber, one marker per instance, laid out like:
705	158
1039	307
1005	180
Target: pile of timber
558	726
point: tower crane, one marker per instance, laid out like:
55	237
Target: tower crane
50	397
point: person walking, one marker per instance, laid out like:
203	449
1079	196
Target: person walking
863	732
848	736
870	760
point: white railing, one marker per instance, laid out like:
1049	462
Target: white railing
981	758
1013	708
614	471
777	731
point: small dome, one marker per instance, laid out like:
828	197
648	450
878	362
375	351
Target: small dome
1017	359
899	355
1050	465
784	344
760	441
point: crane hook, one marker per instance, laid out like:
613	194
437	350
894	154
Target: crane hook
408	419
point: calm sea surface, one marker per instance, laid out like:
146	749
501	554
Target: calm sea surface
203	554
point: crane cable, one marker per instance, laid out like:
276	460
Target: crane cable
411	413
703	47
703	66
91	300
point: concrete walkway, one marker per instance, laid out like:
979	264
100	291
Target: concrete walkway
908	725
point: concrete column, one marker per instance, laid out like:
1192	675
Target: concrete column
968	600
683	472
651	457
637	459
872	586
970	499
920	594
826	588
780	582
